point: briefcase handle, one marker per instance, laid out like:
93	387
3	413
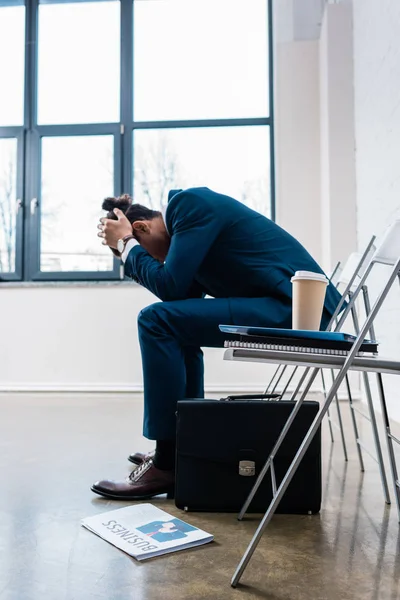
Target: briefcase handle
251	397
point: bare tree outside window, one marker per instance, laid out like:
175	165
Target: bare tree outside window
230	161
255	194
77	173
8	178
156	172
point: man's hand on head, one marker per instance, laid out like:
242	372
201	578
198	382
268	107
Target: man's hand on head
111	231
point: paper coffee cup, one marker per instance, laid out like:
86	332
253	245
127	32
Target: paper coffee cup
309	291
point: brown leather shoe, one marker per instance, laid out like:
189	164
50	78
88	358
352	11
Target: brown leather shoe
138	457
144	482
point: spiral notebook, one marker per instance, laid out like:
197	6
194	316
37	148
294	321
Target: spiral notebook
290	340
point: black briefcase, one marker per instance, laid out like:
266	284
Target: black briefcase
223	444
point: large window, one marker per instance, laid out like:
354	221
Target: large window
233	160
112	96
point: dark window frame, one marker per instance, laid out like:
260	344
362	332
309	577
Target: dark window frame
30	133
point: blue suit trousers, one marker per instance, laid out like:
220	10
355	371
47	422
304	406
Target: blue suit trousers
171	335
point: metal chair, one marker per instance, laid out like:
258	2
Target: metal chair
344	278
347	278
280	369
280	372
388	253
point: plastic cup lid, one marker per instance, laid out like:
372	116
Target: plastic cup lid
299	275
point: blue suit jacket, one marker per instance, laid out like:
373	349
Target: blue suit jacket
222	248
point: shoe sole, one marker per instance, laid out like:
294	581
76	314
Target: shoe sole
170	495
136	461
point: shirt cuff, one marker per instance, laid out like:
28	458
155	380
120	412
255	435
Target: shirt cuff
128	247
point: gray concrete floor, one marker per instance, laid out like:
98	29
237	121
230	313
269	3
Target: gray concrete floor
54	447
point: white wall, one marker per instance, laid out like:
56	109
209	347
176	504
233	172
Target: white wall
85	338
377	126
338	185
298	142
314	121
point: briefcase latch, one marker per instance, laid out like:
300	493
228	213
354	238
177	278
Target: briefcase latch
247	468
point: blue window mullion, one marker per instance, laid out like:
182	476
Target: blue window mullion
127	49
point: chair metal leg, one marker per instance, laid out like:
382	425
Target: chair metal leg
377	441
389	438
339	414
328	414
276	372
279	379
354	420
289	381
355	428
370	403
289	474
282	436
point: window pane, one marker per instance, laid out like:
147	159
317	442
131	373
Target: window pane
79	63
8	201
12	49
200	59
229	160
77	173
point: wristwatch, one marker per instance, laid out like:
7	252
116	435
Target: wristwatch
122	242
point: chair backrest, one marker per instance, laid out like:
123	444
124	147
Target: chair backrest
359	266
366	327
336	273
388	250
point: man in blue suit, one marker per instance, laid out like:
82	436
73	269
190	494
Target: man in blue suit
205	244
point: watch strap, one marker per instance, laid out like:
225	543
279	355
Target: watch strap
128	237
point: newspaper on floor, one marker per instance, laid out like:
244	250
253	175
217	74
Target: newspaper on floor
144	531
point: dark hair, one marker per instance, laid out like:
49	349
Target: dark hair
133	212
